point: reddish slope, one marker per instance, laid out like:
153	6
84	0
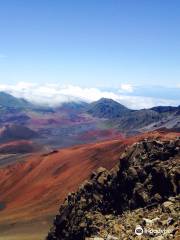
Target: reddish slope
21	146
43	181
35	188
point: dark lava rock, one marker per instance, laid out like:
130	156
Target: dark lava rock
147	175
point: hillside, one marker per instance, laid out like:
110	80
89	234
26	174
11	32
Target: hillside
16	132
137	119
33	194
41	175
11	102
146	177
107	108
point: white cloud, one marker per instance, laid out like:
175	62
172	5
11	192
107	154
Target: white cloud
55	94
125	87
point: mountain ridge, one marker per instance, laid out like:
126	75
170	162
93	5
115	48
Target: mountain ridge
8	100
80	122
107	108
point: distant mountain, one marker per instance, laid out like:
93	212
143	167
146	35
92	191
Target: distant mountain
73	106
134	121
9	101
80	122
170	120
16	132
107	108
165	109
138	119
11	104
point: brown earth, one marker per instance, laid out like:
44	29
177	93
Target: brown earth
30	192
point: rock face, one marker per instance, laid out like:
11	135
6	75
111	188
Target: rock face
146	176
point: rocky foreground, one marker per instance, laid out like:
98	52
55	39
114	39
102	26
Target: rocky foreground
137	199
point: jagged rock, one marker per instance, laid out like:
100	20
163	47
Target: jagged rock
167	206
114	202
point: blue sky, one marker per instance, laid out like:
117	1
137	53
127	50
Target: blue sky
96	43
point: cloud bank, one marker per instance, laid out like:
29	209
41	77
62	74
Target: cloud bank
124	87
55	94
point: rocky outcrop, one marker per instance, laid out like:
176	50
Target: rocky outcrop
146	176
158	222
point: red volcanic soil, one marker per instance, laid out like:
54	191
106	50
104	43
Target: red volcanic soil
35	188
61	118
21	146
98	134
39	185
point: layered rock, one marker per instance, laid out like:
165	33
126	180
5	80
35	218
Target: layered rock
147	175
